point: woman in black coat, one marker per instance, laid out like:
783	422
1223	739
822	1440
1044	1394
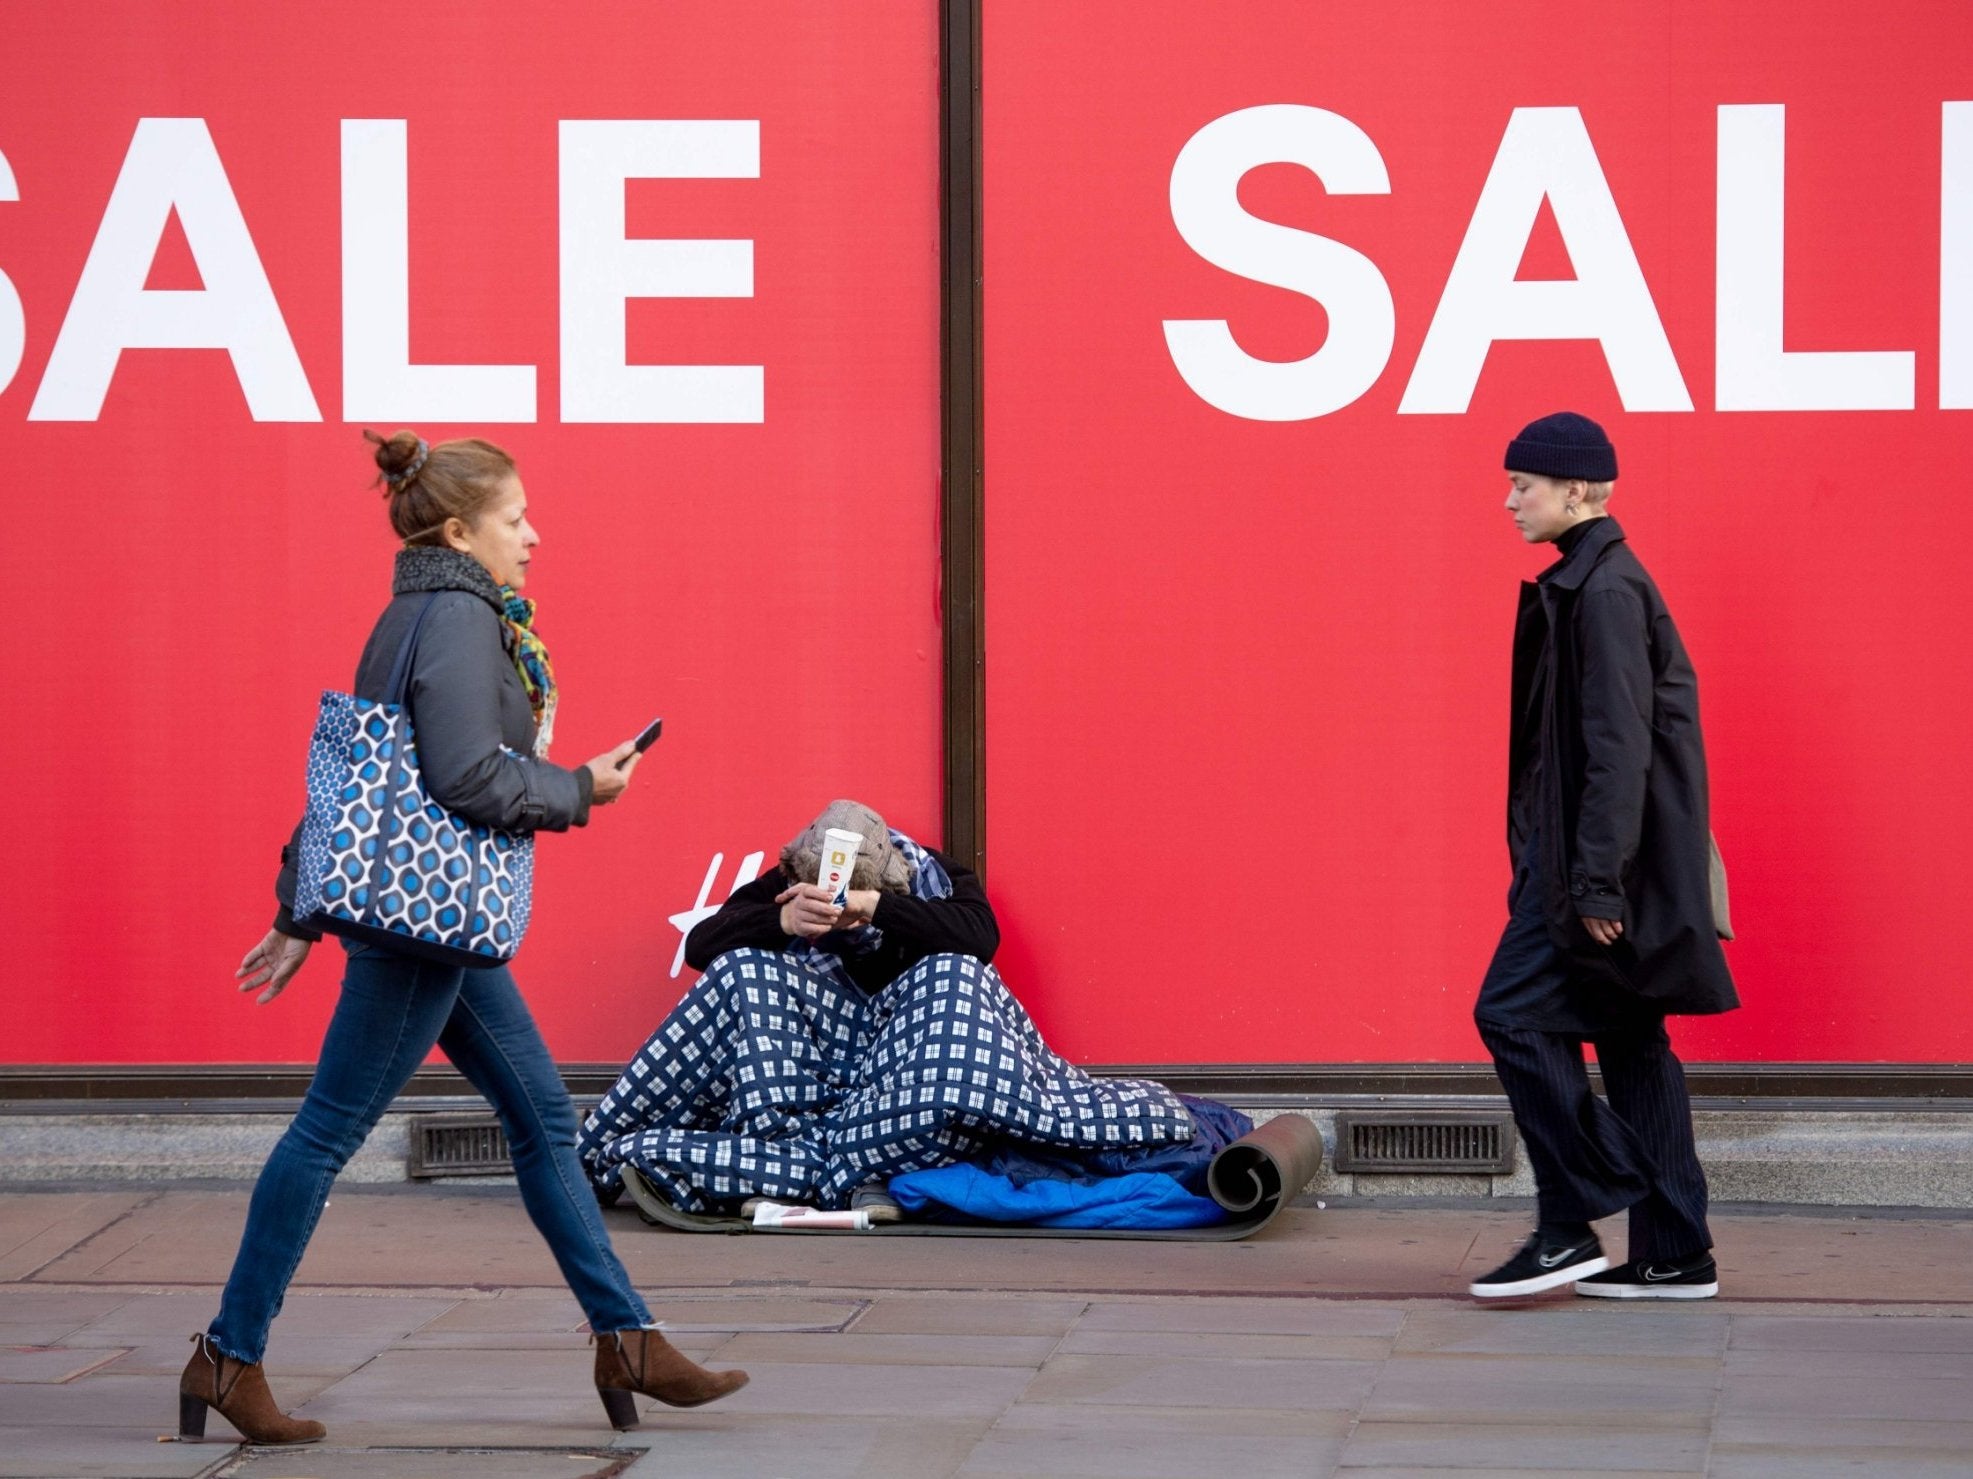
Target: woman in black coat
480	695
1611	923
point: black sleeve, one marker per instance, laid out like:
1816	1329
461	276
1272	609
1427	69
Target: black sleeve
1616	737
961	925
748	917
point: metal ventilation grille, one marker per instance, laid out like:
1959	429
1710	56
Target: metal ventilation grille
1469	1144
458	1145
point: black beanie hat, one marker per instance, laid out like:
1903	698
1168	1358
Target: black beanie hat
1564	445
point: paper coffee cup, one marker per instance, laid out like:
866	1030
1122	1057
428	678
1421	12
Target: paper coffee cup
838	862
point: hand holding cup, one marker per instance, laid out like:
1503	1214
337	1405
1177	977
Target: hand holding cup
807	911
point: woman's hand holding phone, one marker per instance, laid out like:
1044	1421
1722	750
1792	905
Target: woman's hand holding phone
610	773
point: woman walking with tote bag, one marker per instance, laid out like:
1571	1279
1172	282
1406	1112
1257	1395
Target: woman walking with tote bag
457	639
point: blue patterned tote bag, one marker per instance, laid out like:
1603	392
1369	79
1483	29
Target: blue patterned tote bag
382	862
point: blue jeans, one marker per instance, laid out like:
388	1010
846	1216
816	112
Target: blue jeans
392	1009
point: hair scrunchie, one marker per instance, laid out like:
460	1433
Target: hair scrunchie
412	468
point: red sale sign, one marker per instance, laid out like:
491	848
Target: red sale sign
680	260
1269	288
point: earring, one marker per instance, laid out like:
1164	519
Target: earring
1573	509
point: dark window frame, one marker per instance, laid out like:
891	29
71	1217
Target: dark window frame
962	529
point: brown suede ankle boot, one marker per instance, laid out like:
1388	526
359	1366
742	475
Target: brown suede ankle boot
631	1361
237	1391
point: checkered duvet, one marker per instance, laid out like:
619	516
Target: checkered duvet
772	1078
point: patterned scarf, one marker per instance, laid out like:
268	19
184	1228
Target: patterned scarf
531	662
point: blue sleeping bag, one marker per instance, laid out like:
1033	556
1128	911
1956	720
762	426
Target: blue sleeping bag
1149	1187
1140	1199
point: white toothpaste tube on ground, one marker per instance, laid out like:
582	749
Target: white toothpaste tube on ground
838	862
774	1214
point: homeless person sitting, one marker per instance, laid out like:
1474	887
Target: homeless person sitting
824	1049
906	902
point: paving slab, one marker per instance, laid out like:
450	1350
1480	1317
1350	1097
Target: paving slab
500	1323
464	1399
1848	1259
1194	1343
287	1356
165	1237
891	1350
1837	1365
1829	1434
43	1316
191	1236
1264	1265
1824	1395
735	1313
698	1343
1543	1447
1131	1443
730	1446
144	1312
940	1392
107	1399
37	1230
507	1314
1566	1391
1576	1328
1905	1463
101	1451
323	1462
1245	1316
1859	1332
46	1364
316	1334
970	1313
1176	1381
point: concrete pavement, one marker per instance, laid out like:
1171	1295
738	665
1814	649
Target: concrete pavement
429	1330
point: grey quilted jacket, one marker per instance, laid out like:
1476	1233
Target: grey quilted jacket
468	709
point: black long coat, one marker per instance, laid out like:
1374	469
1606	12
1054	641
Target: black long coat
1619	800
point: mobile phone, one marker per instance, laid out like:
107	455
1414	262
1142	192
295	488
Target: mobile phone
646	738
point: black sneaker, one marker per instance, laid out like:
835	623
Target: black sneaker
1542	1264
1689	1278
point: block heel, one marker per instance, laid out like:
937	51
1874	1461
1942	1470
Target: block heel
191	1418
621	1406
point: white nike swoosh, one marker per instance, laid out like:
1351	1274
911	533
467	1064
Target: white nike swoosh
1550	1260
1652	1276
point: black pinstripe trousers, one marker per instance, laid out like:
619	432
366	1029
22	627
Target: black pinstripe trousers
1593	1158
